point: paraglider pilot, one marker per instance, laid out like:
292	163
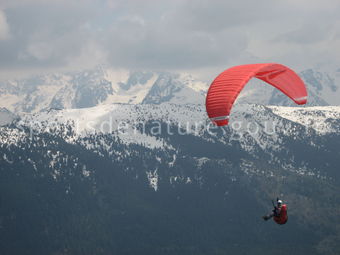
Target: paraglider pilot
279	213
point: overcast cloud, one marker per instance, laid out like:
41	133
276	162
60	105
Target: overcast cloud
196	36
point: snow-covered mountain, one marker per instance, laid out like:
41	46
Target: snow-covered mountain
105	86
259	131
94	119
252	126
323	88
119	158
128	172
99	86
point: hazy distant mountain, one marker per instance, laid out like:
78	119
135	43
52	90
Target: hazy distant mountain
6	117
95	87
323	88
104	86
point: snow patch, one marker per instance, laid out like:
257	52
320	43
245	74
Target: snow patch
153	179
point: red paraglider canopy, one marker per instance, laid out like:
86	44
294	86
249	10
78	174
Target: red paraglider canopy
227	86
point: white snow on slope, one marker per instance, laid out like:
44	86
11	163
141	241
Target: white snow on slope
134	95
142	124
319	118
116	117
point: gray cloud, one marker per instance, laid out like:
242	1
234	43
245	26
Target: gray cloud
4	28
44	35
311	33
160	34
135	42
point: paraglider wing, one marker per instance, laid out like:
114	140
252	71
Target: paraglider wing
227	86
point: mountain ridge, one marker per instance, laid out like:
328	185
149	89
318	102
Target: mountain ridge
102	86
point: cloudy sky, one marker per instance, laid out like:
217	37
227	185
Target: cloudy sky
197	36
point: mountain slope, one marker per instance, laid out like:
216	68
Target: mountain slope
139	179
